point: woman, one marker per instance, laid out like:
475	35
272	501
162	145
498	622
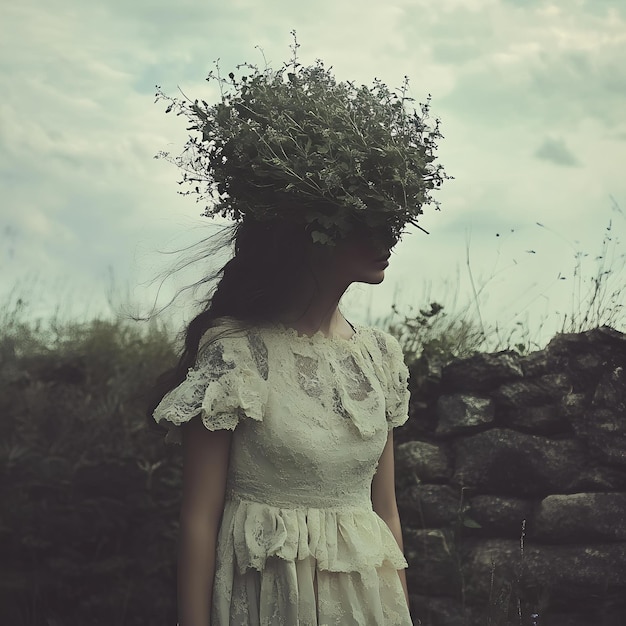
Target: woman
285	408
283	427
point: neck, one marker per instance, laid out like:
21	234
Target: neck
317	310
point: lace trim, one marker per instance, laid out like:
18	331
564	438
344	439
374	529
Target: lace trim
340	540
230	379
228	383
319	337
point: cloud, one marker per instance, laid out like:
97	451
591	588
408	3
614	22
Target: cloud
78	126
556	151
525	62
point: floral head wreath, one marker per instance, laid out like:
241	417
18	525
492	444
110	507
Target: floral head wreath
296	144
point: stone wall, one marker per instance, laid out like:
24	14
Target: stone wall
512	487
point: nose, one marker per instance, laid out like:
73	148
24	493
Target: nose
385	238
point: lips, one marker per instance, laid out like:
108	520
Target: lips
382	259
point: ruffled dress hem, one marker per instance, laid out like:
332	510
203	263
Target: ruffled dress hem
347	539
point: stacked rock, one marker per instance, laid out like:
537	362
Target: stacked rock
512	487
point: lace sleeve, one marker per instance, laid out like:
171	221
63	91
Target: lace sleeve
227	383
397	378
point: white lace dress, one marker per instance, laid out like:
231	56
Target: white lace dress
299	542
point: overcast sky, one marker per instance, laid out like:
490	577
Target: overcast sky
531	96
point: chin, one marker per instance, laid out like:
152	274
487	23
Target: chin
373	278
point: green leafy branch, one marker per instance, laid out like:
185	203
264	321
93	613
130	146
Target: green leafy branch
295	143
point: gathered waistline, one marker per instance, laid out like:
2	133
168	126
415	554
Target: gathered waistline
238	496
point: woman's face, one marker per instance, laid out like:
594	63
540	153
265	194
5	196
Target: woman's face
361	257
362	260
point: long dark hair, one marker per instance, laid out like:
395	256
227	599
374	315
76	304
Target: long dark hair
254	286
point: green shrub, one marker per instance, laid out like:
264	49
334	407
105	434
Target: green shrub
90	496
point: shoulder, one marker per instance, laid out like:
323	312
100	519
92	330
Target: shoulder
386	342
224	328
230	331
230	340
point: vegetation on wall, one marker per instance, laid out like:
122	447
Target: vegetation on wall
90	496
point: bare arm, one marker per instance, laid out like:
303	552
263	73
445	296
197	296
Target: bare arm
205	466
384	499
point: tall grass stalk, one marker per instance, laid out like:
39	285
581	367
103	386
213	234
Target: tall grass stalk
450	327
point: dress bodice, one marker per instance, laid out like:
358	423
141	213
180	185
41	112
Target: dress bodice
324	424
311	416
